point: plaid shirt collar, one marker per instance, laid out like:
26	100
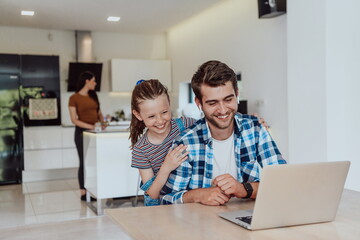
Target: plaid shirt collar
207	138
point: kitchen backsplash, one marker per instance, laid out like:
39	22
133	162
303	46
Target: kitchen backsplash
110	103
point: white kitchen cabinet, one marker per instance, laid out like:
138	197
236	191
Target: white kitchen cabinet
126	72
43	159
36	138
67	137
50	147
70	158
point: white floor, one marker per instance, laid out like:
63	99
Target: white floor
53	210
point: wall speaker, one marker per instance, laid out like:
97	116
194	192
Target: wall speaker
271	8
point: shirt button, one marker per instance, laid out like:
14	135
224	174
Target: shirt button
208	175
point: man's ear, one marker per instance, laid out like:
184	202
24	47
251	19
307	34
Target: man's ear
198	103
137	115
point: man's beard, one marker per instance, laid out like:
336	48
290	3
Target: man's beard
217	122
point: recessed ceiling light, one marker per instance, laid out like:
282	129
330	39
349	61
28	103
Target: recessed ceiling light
113	19
27	13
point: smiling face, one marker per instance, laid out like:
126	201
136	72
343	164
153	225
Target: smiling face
156	115
219	105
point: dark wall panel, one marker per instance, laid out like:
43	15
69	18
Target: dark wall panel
10	63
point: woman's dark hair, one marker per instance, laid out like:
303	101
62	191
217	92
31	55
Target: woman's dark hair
212	73
144	90
87	75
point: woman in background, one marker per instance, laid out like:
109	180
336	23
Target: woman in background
84	108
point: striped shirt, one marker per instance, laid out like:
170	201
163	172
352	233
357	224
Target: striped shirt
253	146
147	155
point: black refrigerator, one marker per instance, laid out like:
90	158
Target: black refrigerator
22	79
11	127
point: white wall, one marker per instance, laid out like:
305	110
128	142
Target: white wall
232	33
306	81
343	85
323	82
105	46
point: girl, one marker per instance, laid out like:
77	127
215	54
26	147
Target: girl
84	108
150	105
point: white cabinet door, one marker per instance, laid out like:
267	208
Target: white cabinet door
70	158
42	137
68	137
126	72
42	159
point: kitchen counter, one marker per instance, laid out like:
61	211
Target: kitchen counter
122	126
107	166
109	130
119	123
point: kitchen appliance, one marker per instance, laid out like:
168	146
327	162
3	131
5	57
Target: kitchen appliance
11	128
29	84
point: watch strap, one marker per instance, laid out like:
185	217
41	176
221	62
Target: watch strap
248	188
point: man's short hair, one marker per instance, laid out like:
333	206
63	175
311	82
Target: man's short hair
212	73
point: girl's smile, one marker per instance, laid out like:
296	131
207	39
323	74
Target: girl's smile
156	115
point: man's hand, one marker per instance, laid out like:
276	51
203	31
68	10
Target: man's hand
230	186
262	121
212	196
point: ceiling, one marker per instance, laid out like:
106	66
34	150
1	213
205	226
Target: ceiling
137	16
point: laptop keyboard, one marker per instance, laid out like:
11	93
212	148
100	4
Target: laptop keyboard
246	219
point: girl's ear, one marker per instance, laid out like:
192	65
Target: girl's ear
137	115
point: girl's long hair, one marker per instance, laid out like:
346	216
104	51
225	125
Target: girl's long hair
145	90
87	75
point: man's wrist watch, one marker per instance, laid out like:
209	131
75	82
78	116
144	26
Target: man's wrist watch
248	188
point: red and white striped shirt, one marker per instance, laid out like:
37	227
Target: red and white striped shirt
147	155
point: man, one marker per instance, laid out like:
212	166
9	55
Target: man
226	149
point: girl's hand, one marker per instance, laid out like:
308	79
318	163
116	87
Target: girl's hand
262	121
175	157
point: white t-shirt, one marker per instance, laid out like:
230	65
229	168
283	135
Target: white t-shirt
224	157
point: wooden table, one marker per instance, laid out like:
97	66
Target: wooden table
195	221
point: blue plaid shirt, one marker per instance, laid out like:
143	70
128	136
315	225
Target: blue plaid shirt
254	148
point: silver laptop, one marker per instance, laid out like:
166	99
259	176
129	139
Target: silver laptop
294	194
